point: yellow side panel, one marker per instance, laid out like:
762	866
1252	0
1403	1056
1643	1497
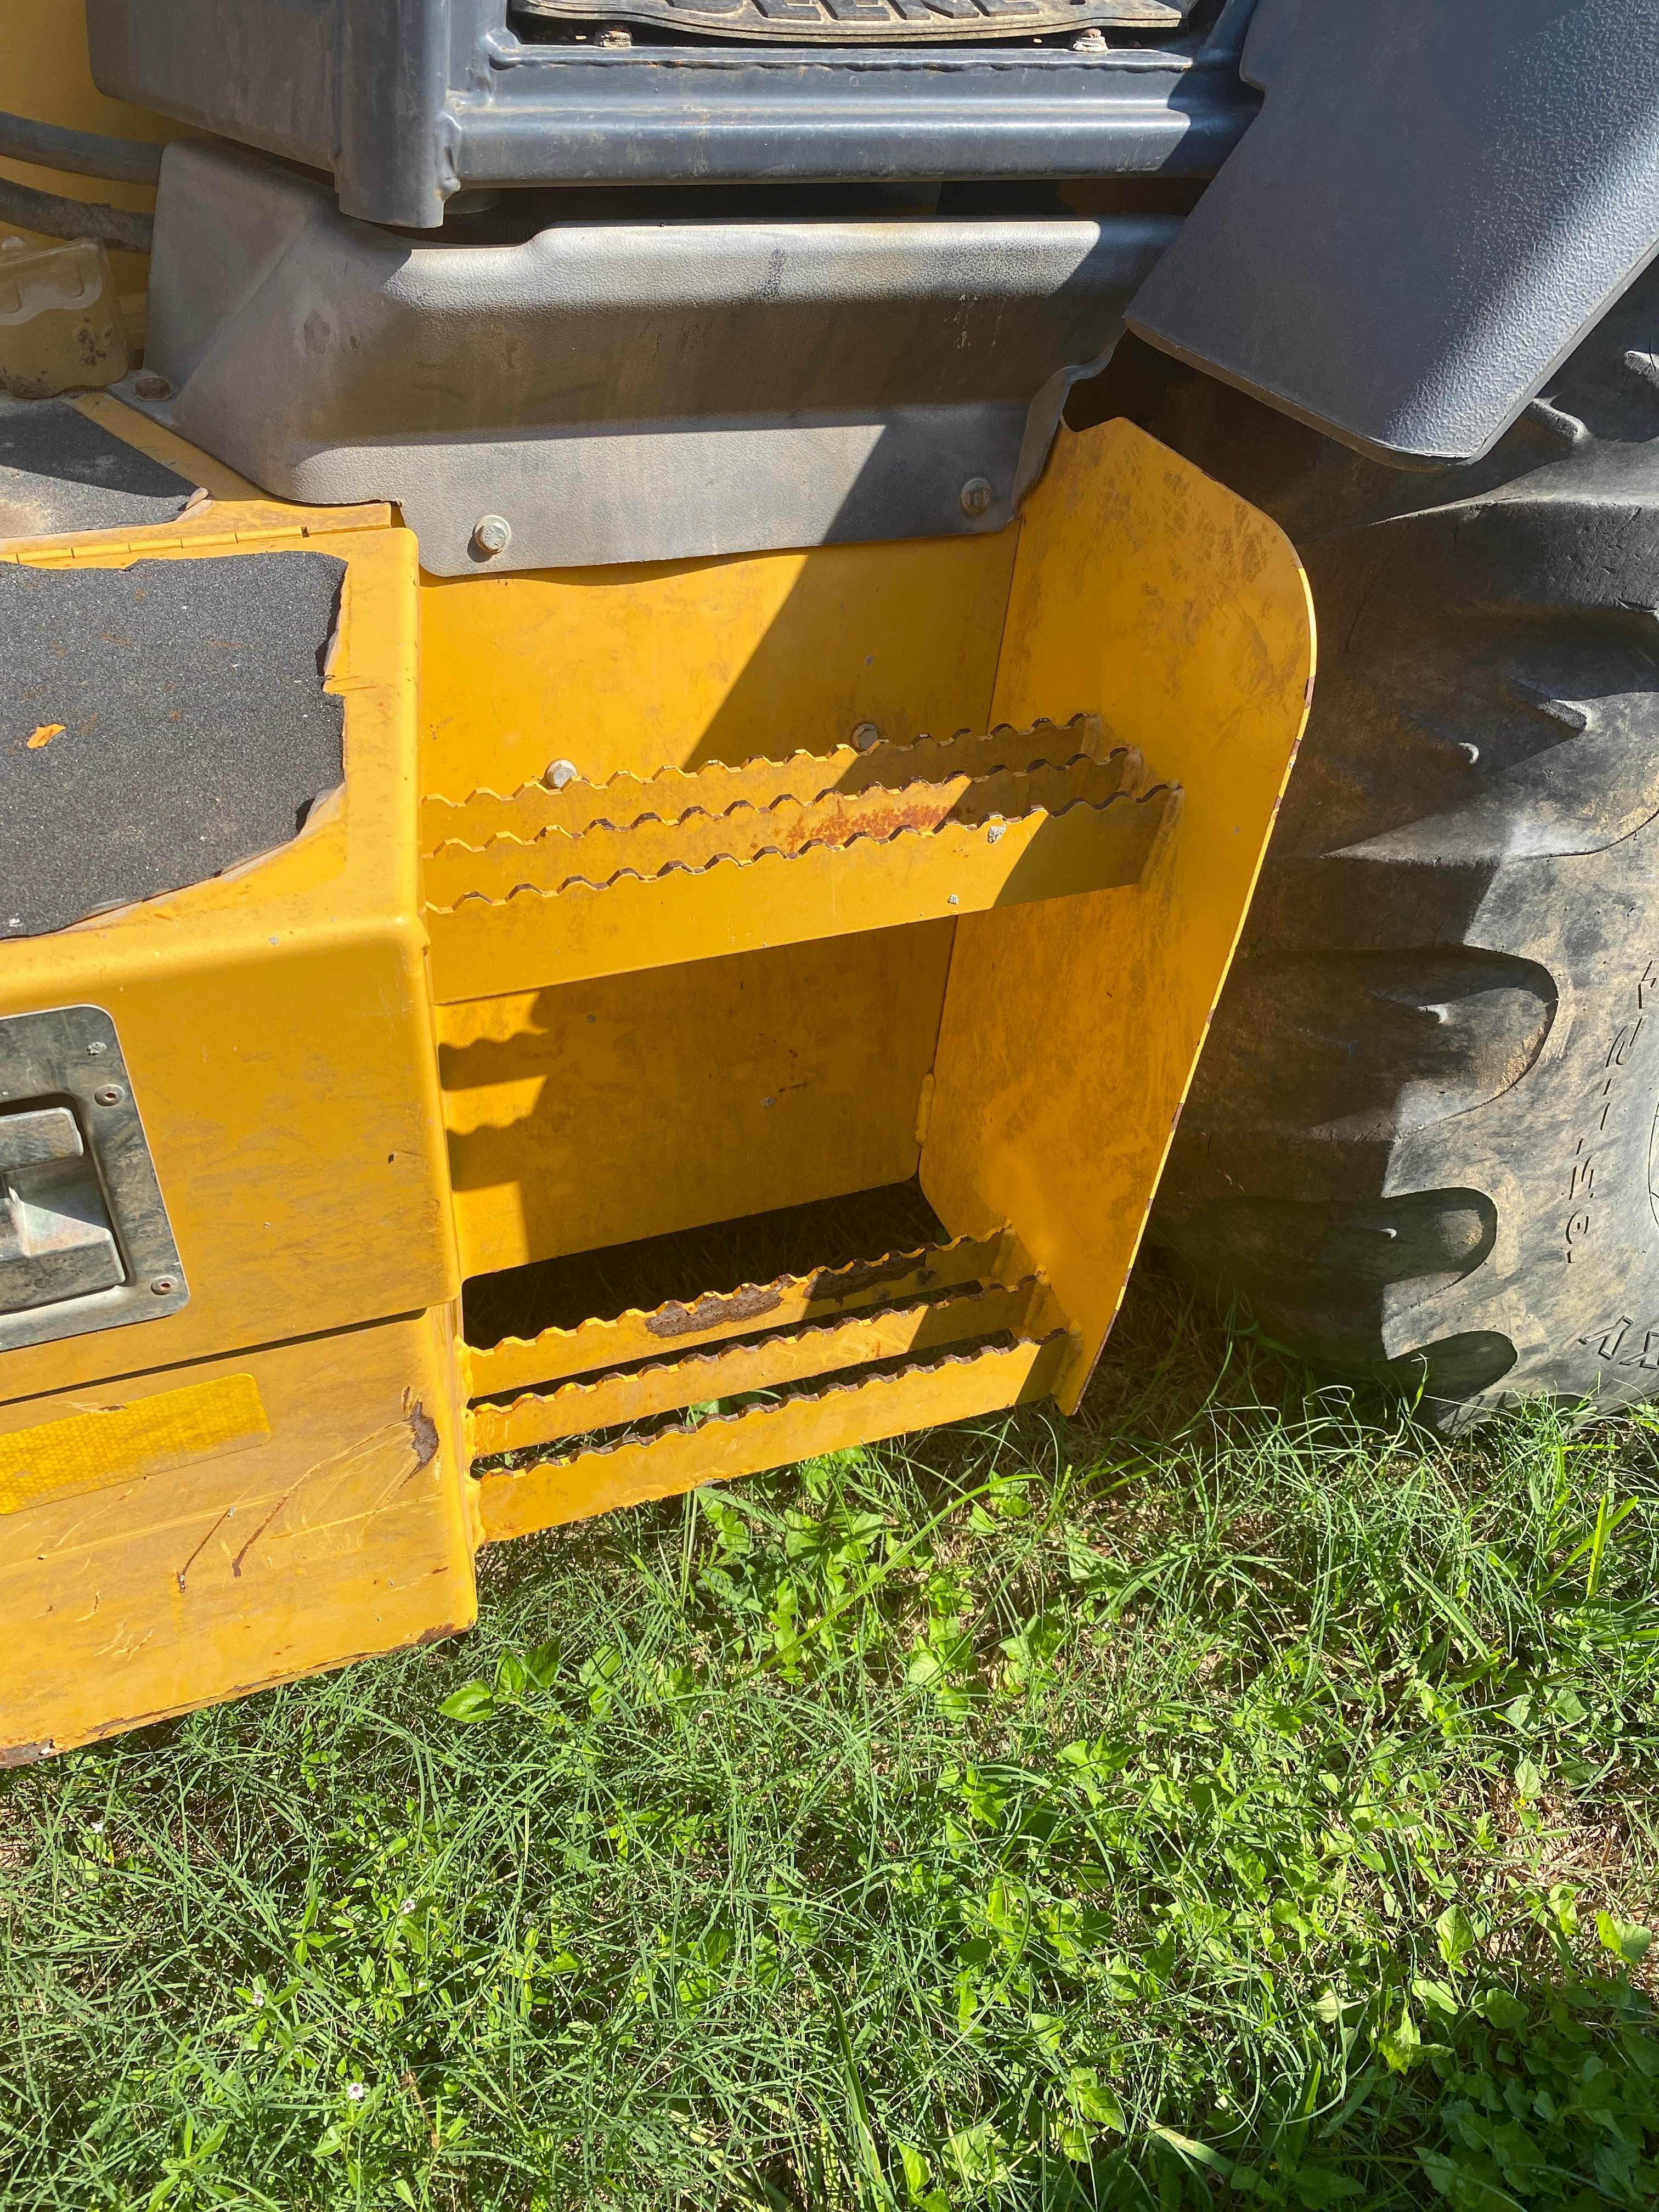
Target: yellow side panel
602	1112
677	662
276	1024
1071	1030
342	1531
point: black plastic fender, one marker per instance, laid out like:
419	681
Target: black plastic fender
1439	197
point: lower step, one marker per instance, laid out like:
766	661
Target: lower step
553	1492
766	1363
519	1363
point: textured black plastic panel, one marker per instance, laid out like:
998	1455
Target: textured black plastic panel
1437	200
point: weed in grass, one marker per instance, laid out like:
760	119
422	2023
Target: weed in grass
1224	1799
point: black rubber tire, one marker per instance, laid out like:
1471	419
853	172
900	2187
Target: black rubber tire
1423	1139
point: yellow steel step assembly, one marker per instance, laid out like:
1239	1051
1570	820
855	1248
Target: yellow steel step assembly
714	1012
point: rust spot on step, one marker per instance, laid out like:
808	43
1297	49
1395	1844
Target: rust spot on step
677	1320
842	1282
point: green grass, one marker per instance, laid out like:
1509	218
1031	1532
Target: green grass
1224	1799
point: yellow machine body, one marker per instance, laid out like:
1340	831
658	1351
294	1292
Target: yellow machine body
655	900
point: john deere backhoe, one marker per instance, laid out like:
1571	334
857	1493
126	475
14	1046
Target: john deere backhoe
649	648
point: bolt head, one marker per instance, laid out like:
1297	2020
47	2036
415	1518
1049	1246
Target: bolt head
492	534
866	734
1092	41
559	773
147	385
163	1285
109	1094
976	496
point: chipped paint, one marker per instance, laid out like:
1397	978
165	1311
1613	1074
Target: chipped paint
26	1754
714	1311
424	1436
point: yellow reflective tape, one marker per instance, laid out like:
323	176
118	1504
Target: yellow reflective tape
91	1450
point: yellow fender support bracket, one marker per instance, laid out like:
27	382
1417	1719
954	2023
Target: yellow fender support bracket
653	901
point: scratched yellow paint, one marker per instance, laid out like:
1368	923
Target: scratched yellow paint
689	914
786	1303
342	1529
668	1385
90	1450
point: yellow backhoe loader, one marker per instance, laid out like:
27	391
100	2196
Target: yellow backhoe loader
633	749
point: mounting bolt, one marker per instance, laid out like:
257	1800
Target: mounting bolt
99	1047
976	496
147	385
109	1094
492	534
164	1284
559	773
615	35
1092	41
866	734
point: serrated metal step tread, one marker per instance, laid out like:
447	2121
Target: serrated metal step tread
672	794
956	1387
556	861
553	1354
581	1407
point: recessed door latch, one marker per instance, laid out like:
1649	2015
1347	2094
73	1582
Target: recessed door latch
85	1243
